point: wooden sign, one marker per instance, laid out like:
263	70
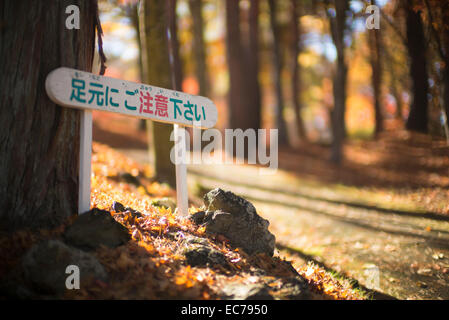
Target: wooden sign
86	91
79	89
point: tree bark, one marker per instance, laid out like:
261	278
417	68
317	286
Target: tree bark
252	119
397	97
416	47
277	62
445	57
338	27
158	73
196	9
375	45
175	62
237	97
132	11
39	141
296	48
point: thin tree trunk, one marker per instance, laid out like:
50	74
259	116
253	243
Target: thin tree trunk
416	46
158	73
253	117
133	13
398	97
176	66
338	26
199	48
296	49
277	62
39	141
394	84
237	96
374	38
446	70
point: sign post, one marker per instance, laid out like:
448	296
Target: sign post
181	171
86	91
85	161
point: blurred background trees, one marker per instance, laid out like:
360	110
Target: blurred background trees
311	69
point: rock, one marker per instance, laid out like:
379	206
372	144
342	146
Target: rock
267	288
134	213
95	228
129	178
198	252
237	219
196	240
165	203
118	207
44	267
294	288
12	287
240	291
201	256
198	217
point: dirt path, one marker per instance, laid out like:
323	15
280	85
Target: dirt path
397	253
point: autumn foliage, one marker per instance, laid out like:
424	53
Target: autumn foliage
150	266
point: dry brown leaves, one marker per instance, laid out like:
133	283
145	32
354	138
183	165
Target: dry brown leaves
148	266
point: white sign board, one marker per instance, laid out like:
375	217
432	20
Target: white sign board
83	90
79	89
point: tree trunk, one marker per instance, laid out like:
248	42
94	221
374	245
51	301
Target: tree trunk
374	39
416	47
133	13
237	97
252	119
446	67
296	48
277	61
39	141
158	73
175	62
338	26
398	97
196	9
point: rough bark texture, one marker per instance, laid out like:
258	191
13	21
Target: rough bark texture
416	47
277	62
338	27
39	141
242	53
296	48
158	73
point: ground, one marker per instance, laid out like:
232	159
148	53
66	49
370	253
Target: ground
376	227
385	208
152	264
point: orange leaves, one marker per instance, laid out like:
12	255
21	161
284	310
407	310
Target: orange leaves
136	235
201	230
107	165
185	277
189	277
323	282
151	264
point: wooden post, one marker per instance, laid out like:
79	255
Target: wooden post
85	161
181	171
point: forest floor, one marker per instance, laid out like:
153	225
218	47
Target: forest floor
380	220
